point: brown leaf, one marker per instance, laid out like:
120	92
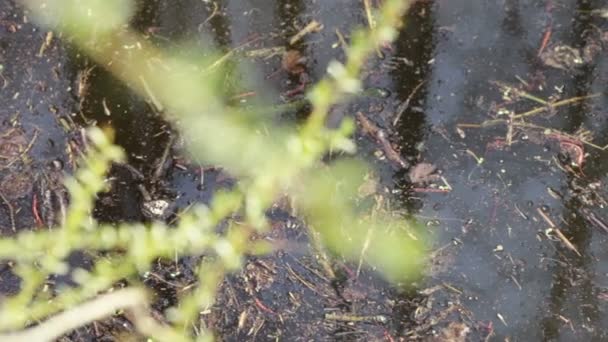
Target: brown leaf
293	62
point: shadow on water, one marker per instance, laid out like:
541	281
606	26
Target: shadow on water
413	50
572	282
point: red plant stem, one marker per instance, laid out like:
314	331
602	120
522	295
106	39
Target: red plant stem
546	38
37	218
263	307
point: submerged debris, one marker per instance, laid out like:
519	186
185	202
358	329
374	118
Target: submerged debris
156	209
562	57
423	173
371	129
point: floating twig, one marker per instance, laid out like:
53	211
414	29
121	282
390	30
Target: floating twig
558	232
405	104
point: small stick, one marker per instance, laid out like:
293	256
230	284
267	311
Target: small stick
263	307
558	232
11	211
546	38
403	106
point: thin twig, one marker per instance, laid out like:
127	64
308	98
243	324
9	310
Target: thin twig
558	232
403	106
555	105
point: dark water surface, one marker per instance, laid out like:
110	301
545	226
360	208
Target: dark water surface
522	282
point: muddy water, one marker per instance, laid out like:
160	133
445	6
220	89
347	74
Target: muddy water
493	248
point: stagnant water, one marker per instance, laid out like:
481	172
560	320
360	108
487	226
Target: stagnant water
445	63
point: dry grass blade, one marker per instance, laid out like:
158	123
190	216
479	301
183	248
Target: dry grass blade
313	26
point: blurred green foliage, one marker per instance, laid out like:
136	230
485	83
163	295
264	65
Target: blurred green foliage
268	165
